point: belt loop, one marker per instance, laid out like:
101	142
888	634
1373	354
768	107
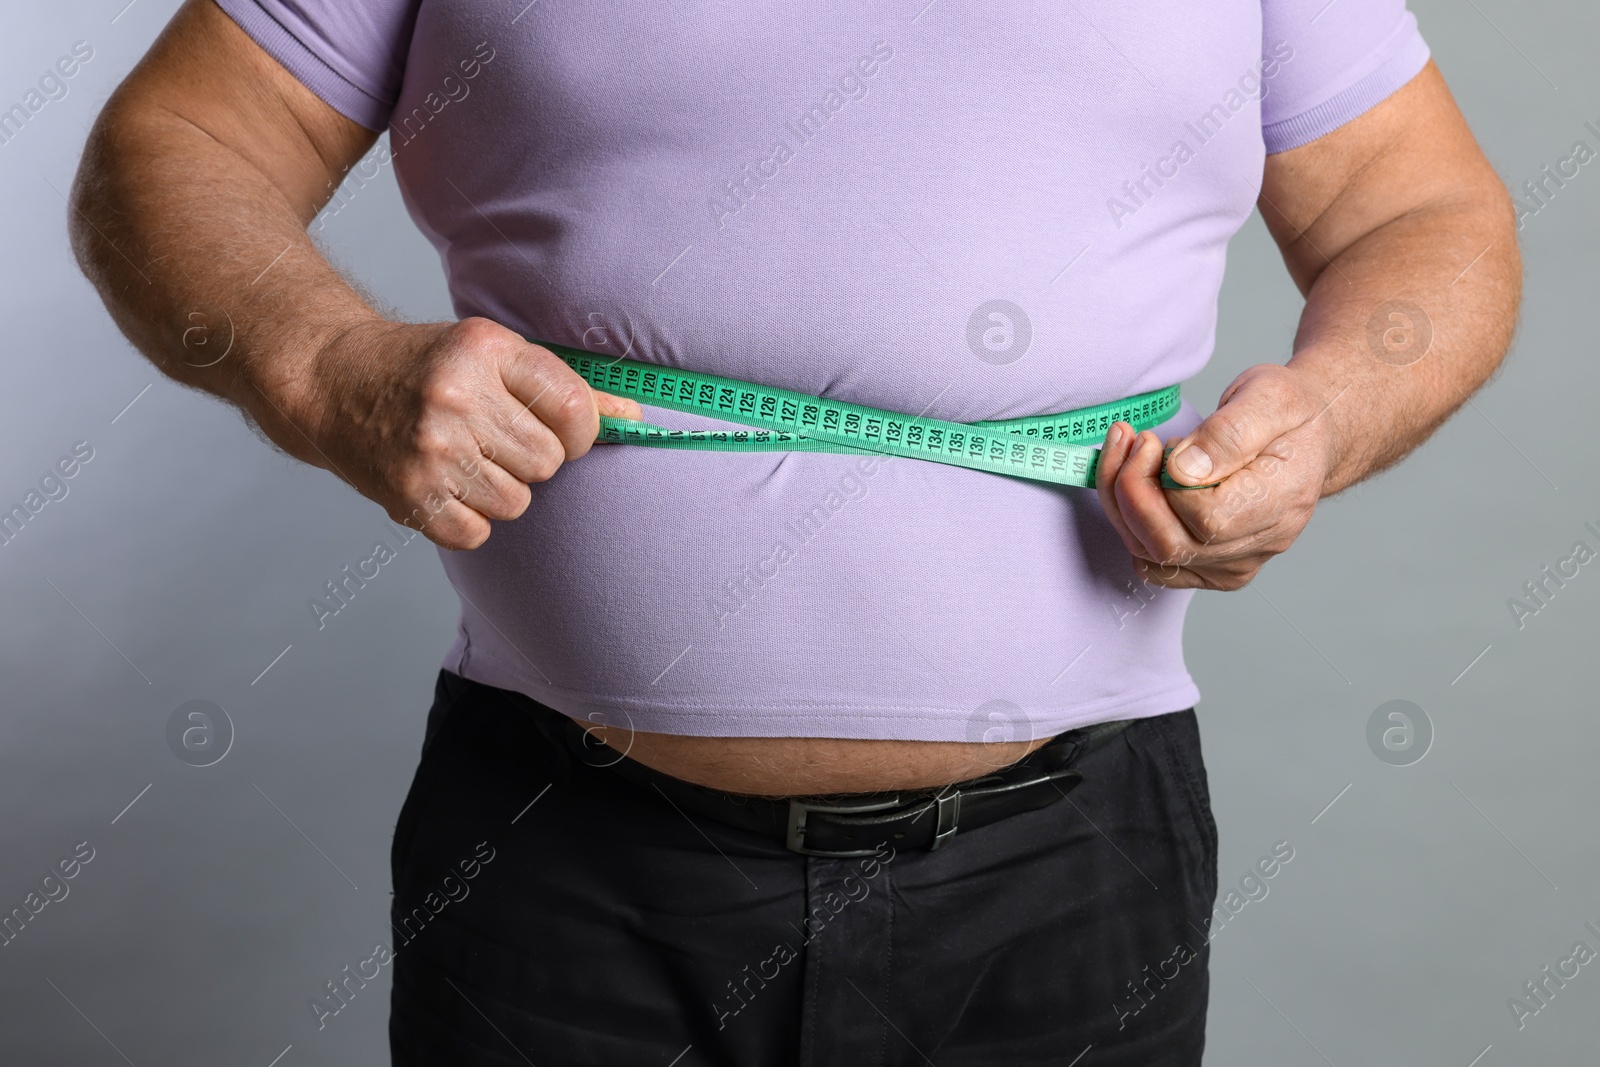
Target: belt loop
949	804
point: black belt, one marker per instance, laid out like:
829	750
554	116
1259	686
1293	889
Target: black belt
861	824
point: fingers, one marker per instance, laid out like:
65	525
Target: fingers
1119	442
1128	484
1257	513
513	438
489	488
1260	406
445	521
1143	505
533	414
1262	445
451	492
557	396
494	415
619	407
1169	576
463	419
1163	550
1250	500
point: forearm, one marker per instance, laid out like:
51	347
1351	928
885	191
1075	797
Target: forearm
1405	323
206	266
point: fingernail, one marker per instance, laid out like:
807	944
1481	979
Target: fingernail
1115	440
1192	462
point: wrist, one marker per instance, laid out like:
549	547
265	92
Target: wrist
1327	405
287	385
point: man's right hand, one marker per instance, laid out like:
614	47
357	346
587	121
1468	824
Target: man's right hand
444	425
190	210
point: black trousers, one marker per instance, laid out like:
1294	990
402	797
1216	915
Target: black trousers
549	911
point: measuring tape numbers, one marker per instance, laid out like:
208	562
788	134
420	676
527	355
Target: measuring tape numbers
1044	448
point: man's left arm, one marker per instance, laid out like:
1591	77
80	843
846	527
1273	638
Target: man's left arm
1403	240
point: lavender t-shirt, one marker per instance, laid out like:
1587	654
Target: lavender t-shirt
967	209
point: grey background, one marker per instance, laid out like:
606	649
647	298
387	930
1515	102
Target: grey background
184	554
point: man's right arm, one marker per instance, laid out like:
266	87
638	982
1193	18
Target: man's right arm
189	215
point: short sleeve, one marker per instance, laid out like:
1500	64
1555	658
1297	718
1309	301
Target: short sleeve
1334	60
351	53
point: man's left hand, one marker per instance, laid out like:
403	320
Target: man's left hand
1270	450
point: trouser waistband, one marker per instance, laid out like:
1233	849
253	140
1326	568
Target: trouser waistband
847	825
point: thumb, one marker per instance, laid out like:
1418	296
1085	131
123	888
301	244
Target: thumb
1255	412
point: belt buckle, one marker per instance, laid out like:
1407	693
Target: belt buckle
799	809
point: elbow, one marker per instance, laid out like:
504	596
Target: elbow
1497	274
1507	219
87	198
98	207
1504	219
1485	211
79	229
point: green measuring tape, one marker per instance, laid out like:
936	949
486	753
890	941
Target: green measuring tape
1045	448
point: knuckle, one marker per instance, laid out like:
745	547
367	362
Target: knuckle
1162	574
474	332
543	465
459	529
1103	482
1244	570
1166	552
1167	549
431	495
505	501
1276	377
1230	431
1208	525
445	388
516	499
524	433
413	484
476	466
1275	381
433	435
571	407
470	533
450	489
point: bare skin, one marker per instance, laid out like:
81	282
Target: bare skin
189	214
1403	241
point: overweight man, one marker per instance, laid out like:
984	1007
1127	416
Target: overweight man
790	757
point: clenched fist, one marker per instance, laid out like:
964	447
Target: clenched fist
446	424
1271	453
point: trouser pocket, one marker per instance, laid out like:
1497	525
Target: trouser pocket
1180	743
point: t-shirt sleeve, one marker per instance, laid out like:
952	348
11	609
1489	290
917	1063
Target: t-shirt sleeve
351	53
1335	60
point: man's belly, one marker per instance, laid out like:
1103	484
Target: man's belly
802	766
791	622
